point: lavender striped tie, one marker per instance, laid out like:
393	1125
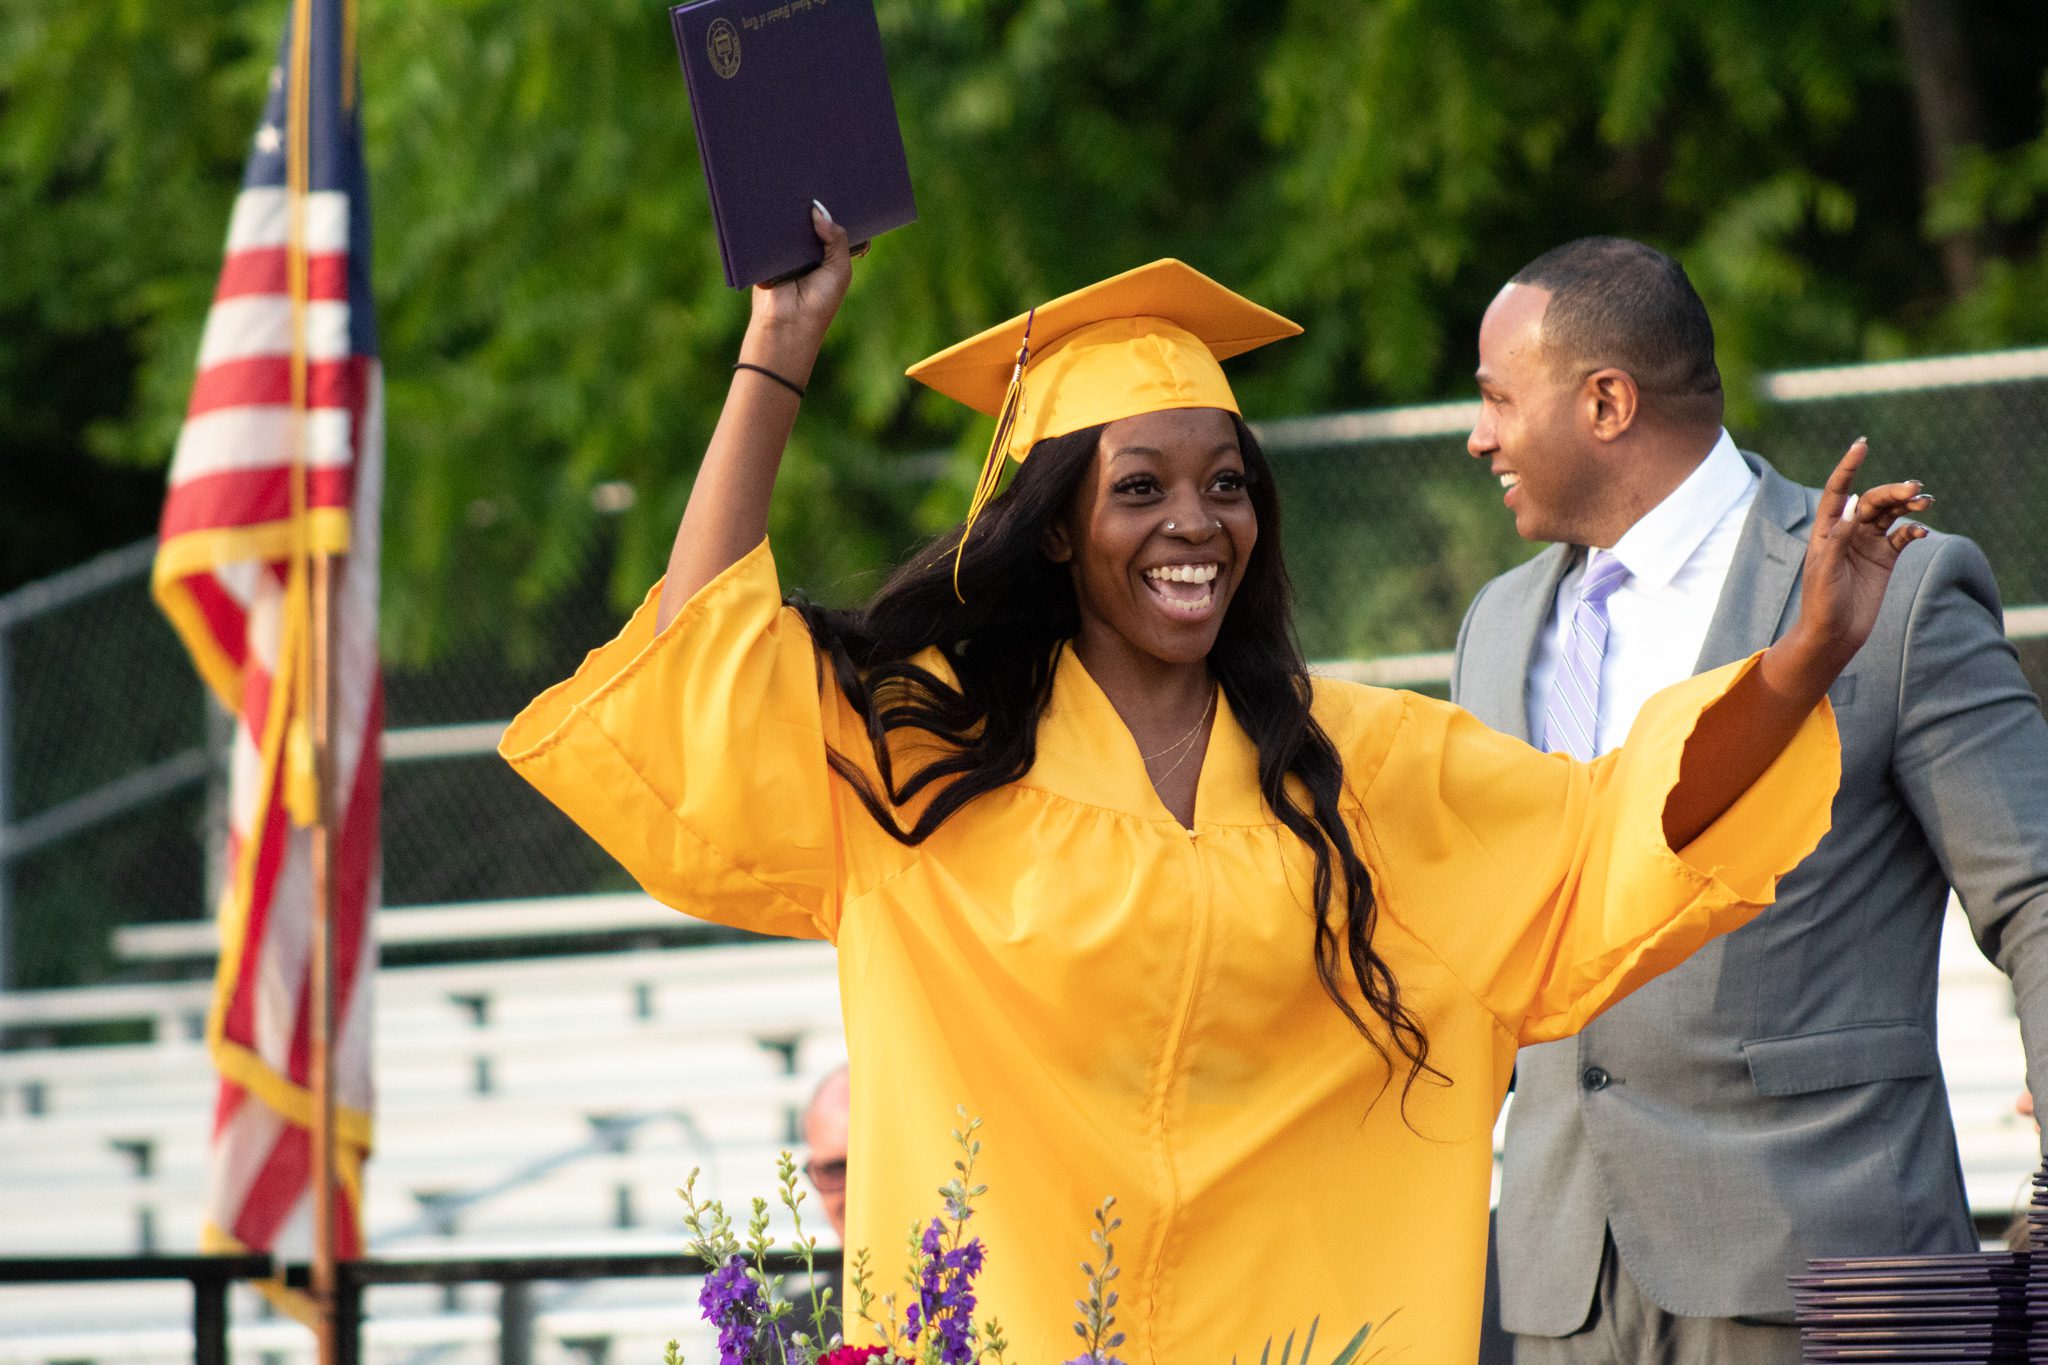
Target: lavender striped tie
1572	714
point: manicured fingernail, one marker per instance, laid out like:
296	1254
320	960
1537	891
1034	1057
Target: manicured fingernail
822	210
1861	441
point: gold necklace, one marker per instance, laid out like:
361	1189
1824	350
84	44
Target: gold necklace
1185	743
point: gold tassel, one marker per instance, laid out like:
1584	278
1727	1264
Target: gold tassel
992	466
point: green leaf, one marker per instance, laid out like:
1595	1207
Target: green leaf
1353	1347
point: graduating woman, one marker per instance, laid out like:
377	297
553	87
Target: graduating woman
1249	950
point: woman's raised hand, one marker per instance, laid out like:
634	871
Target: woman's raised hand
793	315
1849	558
727	514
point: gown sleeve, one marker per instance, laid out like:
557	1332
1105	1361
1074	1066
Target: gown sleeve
1546	885
696	756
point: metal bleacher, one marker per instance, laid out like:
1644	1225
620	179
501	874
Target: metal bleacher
531	1104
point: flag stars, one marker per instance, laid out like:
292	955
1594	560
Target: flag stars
268	139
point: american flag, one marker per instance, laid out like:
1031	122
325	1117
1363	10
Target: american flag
280	460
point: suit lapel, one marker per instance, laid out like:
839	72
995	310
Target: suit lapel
1761	581
1500	695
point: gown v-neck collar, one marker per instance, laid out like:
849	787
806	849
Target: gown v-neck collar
1086	753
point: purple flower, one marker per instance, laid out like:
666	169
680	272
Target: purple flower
734	1304
945	1295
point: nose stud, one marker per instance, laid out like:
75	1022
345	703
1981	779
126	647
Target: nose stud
1171	526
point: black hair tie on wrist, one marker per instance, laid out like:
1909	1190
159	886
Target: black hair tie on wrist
789	384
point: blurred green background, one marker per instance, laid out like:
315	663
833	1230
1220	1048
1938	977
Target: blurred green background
1845	179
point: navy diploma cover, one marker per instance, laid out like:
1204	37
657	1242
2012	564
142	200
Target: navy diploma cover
791	100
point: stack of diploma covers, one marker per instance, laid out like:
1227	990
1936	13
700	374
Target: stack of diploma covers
2037	1273
791	100
1965	1307
1990	1305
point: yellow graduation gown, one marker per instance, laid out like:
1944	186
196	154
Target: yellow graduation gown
1132	1007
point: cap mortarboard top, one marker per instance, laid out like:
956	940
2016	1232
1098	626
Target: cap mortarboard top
1147	340
1137	342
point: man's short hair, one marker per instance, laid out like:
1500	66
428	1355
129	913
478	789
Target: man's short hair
1616	302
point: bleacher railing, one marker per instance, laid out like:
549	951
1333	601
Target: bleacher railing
514	1277
209	1277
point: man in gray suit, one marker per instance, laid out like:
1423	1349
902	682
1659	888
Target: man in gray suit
1778	1096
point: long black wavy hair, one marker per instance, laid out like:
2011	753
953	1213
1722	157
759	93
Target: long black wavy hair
1003	644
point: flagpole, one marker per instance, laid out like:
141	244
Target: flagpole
316	693
320	662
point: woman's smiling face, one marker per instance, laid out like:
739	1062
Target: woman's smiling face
1160	532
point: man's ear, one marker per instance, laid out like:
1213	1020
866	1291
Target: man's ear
1056	544
1612	402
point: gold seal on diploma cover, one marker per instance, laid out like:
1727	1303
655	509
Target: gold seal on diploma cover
724	41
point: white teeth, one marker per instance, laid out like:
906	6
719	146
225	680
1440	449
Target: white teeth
1184	573
1510	480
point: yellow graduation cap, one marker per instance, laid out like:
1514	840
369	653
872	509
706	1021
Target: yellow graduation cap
1147	340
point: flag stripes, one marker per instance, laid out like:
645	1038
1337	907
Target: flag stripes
281	459
261	270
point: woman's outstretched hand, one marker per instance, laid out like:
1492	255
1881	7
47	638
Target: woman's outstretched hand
1849	558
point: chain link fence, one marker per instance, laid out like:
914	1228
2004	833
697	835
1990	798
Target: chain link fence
110	779
105	771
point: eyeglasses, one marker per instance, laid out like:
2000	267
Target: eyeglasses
827	1177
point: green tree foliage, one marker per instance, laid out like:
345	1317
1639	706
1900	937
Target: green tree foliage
553	318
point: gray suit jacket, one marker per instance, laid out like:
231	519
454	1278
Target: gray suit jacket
1778	1096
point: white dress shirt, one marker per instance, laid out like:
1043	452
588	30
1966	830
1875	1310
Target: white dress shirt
1677	555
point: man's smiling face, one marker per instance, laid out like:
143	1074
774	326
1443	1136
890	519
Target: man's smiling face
1531	430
